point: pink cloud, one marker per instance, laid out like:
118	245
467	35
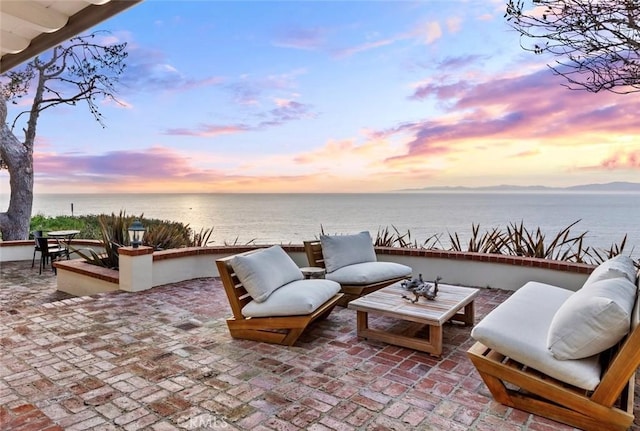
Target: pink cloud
512	108
155	169
550	110
622	160
454	24
347	52
209	130
330	151
529	153
528	106
428	32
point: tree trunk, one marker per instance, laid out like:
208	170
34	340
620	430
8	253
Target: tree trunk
91	72
14	223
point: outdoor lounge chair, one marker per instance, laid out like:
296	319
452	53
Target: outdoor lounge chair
351	261
570	357
269	299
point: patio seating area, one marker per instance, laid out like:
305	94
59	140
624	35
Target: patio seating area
163	359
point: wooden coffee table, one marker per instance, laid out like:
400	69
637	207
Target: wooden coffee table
425	318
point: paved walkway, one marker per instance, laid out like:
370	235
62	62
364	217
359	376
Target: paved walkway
163	360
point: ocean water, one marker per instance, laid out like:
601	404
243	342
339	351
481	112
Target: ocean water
292	218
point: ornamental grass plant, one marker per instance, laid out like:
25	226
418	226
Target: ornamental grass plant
516	239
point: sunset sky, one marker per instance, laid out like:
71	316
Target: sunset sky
324	96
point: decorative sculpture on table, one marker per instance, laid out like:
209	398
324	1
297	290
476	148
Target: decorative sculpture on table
421	288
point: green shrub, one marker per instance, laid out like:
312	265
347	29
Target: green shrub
112	231
89	226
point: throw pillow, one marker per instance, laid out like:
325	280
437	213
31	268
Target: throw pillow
343	250
264	271
617	266
592	319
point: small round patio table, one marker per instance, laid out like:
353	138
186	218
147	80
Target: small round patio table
313	272
64	238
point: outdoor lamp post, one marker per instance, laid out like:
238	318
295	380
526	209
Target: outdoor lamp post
136	232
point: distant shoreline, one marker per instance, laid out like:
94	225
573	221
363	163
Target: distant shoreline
614	187
433	191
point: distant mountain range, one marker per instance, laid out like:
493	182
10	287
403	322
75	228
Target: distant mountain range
607	187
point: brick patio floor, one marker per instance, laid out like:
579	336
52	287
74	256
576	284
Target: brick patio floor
163	360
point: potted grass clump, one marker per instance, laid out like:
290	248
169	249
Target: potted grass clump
159	235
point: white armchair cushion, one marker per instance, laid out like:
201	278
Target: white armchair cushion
293	299
265	270
519	326
593	319
369	272
343	250
617	266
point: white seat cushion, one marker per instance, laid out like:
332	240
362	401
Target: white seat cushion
519	326
369	272
293	299
593	319
343	250
264	271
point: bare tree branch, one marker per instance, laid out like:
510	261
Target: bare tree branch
91	68
596	42
80	70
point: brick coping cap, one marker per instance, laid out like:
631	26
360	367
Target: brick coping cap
532	262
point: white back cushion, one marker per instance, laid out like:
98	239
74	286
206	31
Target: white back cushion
617	266
343	250
593	319
264	271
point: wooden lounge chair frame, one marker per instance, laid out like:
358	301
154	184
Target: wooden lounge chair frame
313	250
608	407
283	330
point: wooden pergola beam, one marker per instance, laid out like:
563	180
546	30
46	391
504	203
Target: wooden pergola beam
81	21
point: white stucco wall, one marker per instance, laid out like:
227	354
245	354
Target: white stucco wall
24	251
81	285
486	274
184	268
453	271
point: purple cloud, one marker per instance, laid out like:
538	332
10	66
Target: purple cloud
300	38
149	71
439	91
519	107
249	91
152	163
286	111
460	62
